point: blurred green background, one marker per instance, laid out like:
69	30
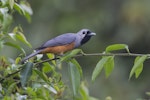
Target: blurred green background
114	21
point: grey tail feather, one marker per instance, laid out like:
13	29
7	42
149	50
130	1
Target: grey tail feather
30	56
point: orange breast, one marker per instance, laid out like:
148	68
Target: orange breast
59	49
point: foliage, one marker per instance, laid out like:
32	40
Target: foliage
40	80
107	62
32	80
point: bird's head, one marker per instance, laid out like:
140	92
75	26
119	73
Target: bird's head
85	35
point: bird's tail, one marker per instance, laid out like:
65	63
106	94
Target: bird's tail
30	56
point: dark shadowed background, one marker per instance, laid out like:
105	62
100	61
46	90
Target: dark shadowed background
116	21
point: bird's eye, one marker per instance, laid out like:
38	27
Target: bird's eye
83	33
88	32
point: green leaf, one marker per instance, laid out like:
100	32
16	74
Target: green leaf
50	88
11	4
25	73
18	59
99	67
11	88
15	46
74	61
19	36
74	78
18	8
30	91
24	9
138	66
4	11
52	56
109	66
47	67
84	92
4	2
22	38
12	36
138	70
41	75
27	11
6	20
117	47
71	54
28	17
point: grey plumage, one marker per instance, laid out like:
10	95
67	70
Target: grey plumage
78	38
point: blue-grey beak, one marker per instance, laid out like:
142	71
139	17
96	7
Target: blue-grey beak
92	34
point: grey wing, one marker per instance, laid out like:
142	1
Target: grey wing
60	40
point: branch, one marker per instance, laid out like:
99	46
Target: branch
112	54
98	54
9	75
83	54
47	60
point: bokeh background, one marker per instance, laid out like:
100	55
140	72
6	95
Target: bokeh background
114	21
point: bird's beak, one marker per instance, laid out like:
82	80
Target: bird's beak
92	34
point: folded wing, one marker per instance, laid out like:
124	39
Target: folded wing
63	39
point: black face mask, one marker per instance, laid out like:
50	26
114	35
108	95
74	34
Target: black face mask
85	39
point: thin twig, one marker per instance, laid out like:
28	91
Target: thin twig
47	60
112	54
98	54
9	75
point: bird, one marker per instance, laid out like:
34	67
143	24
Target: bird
63	43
